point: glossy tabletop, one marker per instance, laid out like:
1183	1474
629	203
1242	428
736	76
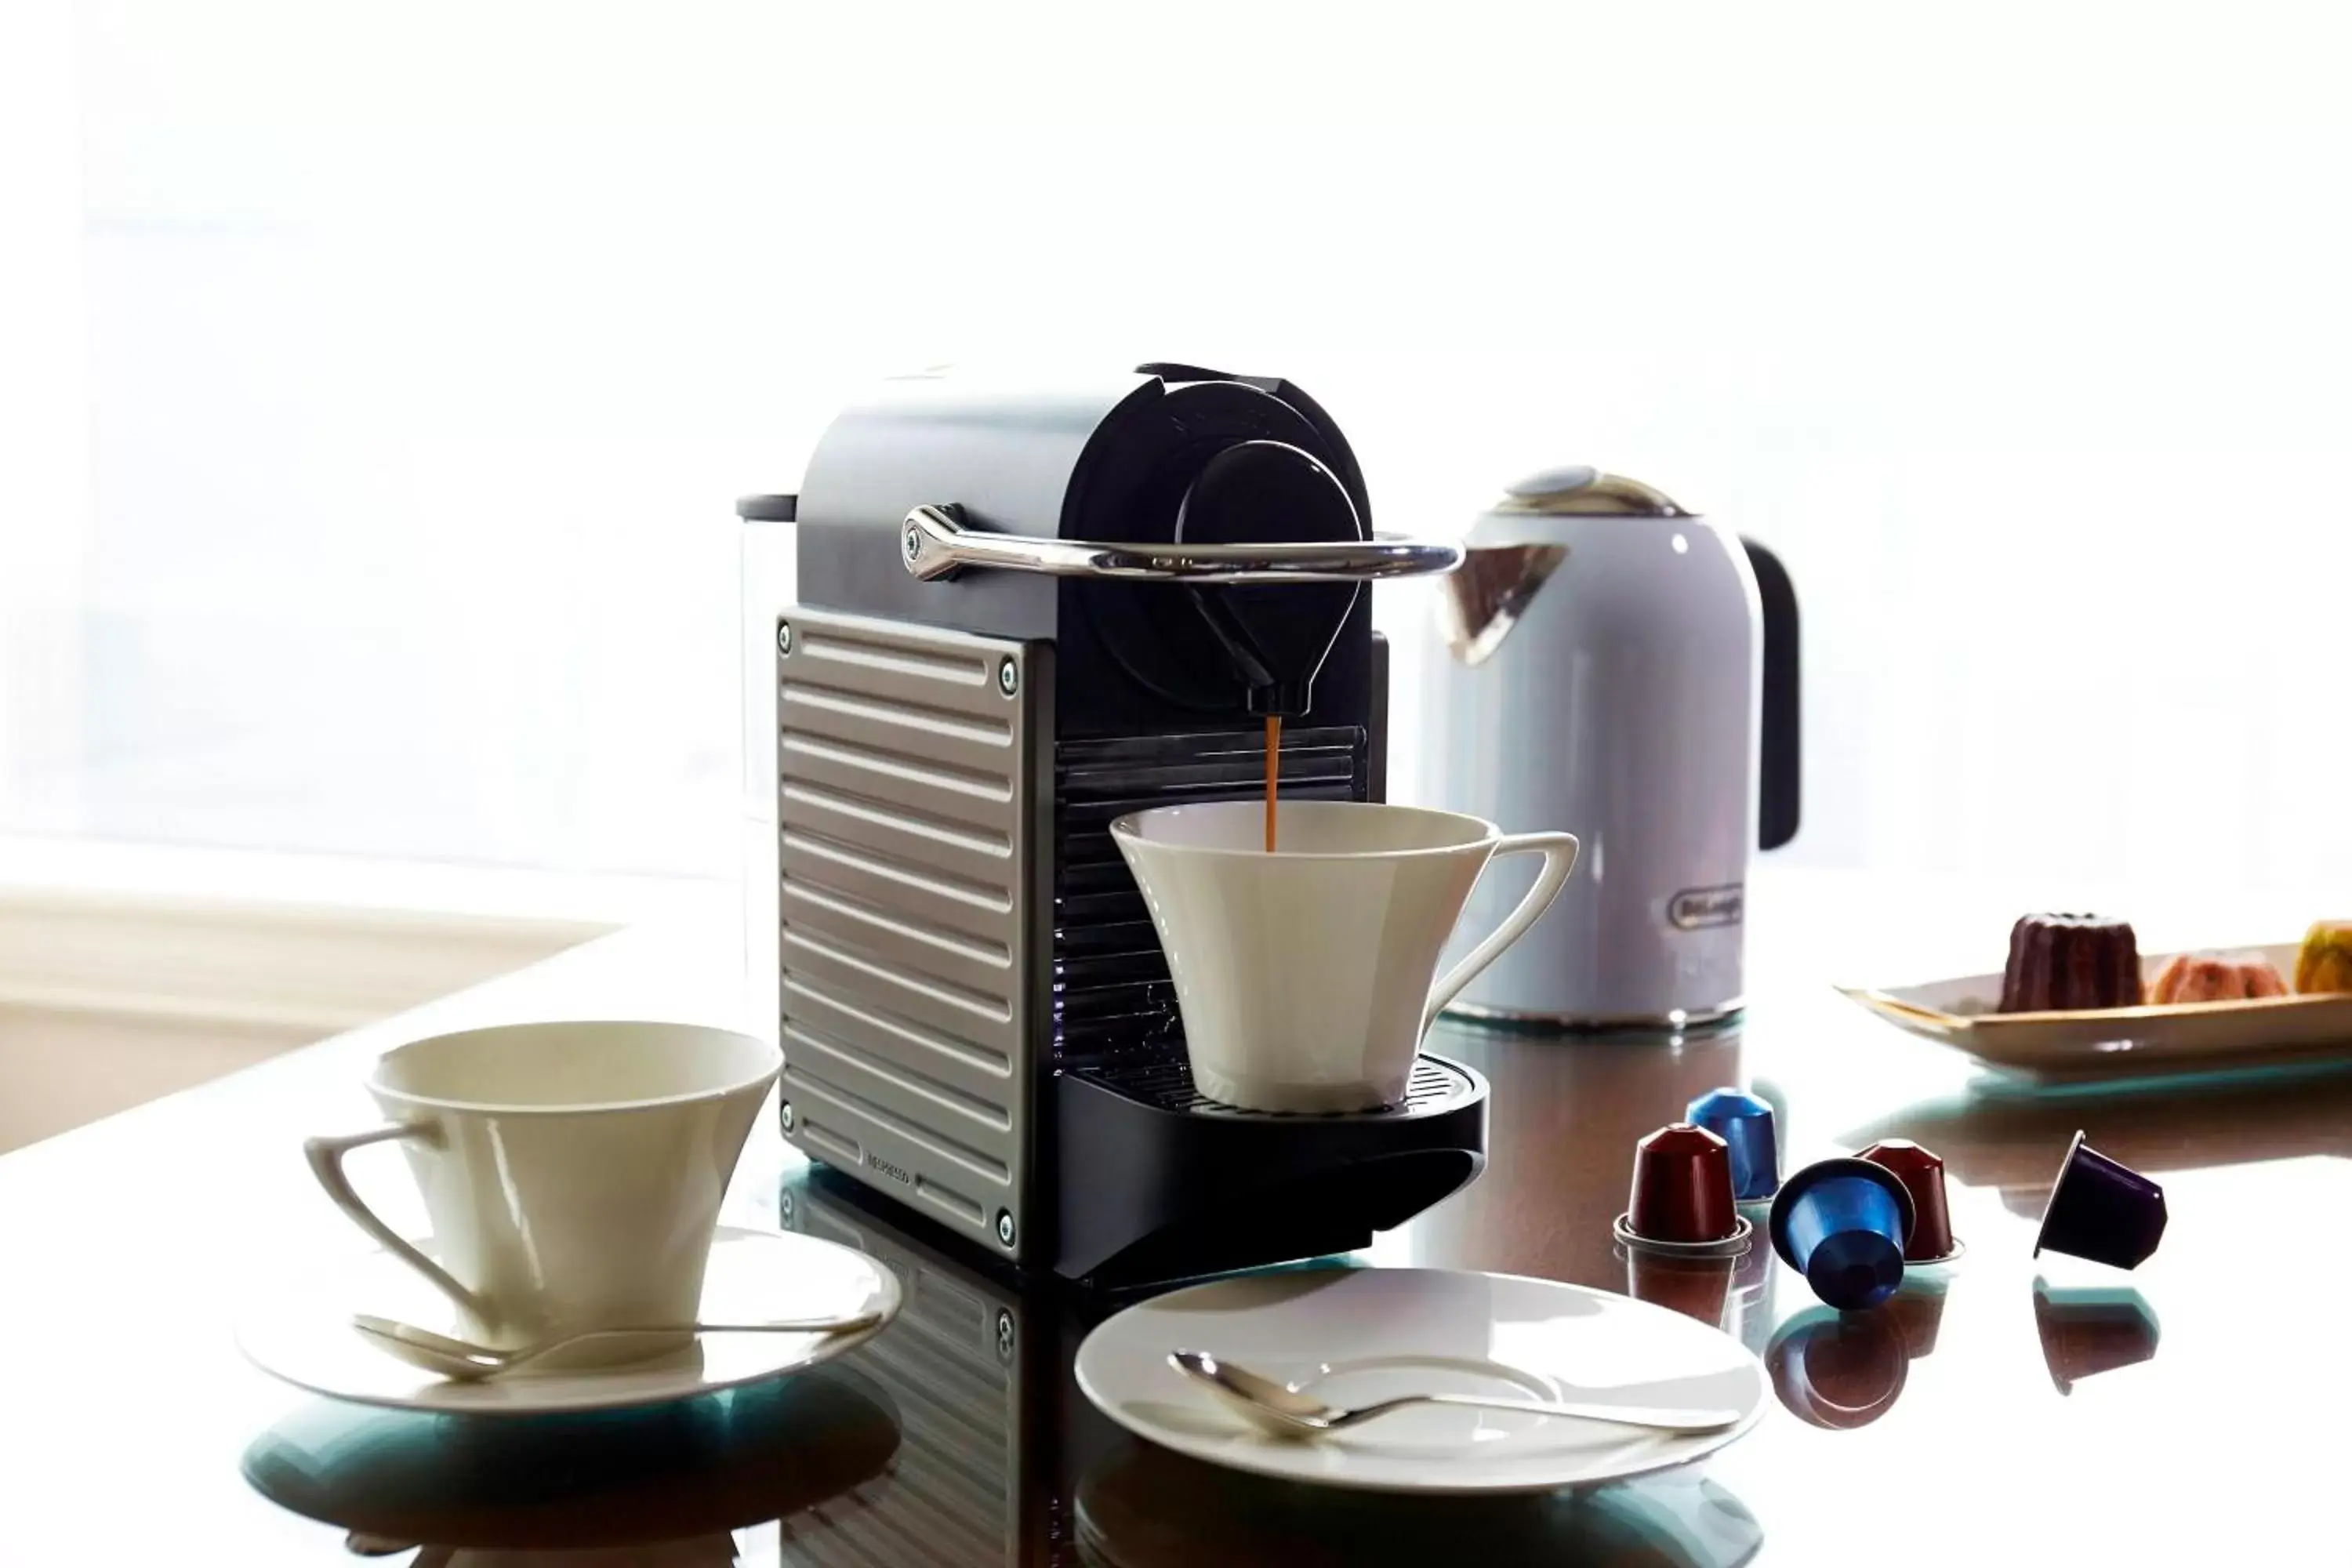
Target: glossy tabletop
2004	1409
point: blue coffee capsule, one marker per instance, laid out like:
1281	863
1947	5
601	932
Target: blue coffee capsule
2101	1209
1841	1224
1745	1122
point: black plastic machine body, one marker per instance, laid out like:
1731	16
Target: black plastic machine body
1018	616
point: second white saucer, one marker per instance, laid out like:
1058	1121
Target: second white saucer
1355	1336
303	1334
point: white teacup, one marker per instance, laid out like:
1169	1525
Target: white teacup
573	1171
1305	976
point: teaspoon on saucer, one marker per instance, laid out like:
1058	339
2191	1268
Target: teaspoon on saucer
1277	1408
464	1362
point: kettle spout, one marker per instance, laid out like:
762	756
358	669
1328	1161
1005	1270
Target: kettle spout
1484	598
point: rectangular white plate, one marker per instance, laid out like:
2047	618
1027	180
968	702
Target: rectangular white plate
2197	1036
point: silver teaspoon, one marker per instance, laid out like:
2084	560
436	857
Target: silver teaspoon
1283	1411
464	1362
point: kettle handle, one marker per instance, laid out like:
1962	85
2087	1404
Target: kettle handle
1782	766
933	543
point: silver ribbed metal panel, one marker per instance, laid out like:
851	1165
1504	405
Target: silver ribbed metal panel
906	841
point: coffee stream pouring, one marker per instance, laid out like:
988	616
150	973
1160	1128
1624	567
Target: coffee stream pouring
1277	638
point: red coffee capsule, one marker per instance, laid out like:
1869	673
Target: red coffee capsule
1921	1172
1682	1187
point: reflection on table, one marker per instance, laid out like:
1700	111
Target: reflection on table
1002	1461
666	1485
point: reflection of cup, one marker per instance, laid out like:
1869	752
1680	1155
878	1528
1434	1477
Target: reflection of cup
2087	1332
661	1486
1838	1369
573	1171
1305	976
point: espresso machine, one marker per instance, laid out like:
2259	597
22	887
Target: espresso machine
1020	613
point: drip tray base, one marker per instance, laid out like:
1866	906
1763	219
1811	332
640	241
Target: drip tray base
1156	1182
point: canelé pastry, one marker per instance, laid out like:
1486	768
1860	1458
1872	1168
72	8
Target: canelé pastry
2325	962
2215	977
2065	962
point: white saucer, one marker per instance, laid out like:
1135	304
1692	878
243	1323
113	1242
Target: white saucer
1355	1335
304	1334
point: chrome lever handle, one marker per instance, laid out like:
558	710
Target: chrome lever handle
933	544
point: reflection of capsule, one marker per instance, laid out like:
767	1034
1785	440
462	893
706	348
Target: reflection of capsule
1752	1274
1695	1286
1838	1369
1917	1309
2087	1332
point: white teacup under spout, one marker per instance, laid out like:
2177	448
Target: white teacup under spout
1307	975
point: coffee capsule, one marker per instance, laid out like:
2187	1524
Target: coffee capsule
1682	1194
1921	1172
2086	1332
1842	1223
1696	1287
1744	1122
2101	1210
1838	1369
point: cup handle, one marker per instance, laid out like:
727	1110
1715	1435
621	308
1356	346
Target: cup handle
1558	850
326	1157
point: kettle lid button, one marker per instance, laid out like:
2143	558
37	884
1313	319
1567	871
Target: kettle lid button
1580	488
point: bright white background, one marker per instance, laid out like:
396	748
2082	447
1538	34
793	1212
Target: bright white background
376	380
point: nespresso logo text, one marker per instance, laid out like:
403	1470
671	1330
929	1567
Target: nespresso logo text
1694	908
887	1169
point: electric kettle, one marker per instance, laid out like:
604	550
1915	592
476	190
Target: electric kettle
1627	670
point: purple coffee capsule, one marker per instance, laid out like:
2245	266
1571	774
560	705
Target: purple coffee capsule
1745	1124
2102	1210
1842	1223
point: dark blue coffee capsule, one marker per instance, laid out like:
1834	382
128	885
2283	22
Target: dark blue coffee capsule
1745	1122
2102	1210
1841	1224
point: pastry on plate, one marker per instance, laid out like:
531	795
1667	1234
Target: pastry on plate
2215	977
2067	963
2325	962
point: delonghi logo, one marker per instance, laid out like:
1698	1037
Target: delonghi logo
1694	908
887	1169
